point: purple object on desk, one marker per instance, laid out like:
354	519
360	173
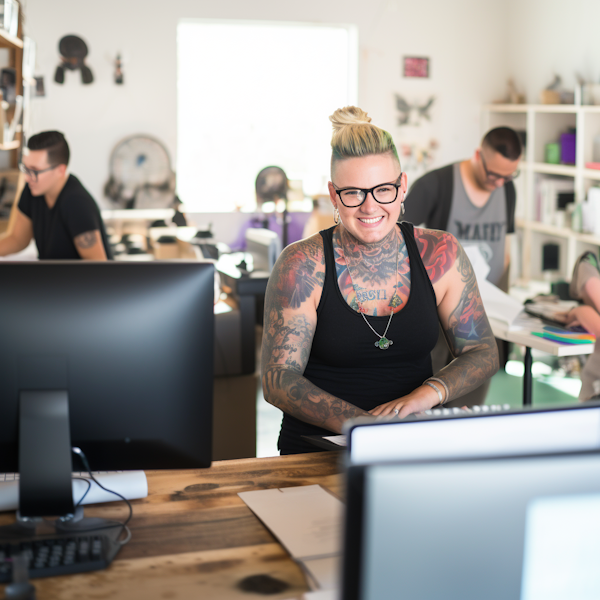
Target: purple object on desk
567	148
296	223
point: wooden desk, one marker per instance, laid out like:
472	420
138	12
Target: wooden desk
194	538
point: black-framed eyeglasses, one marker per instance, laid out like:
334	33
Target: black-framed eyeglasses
33	173
493	177
384	193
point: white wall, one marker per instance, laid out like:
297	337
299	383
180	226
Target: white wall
552	36
463	38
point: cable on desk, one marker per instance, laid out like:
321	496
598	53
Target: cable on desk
89	487
123	524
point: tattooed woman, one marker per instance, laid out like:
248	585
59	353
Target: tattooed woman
351	313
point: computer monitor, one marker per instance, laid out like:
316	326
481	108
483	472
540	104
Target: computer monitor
113	358
568	428
265	247
520	527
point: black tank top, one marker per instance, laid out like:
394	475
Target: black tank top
344	360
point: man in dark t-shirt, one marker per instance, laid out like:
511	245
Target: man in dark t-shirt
55	209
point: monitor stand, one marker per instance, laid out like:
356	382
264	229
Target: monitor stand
45	465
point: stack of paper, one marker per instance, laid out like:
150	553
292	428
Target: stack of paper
307	521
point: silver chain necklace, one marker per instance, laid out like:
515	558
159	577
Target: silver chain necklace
384	343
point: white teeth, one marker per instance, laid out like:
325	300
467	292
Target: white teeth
371	220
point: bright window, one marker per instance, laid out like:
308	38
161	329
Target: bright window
256	94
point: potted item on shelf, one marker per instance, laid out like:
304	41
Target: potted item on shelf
551	95
556	94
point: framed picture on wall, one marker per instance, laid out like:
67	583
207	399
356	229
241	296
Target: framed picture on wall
415	66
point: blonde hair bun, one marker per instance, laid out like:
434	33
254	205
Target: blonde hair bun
354	135
349	115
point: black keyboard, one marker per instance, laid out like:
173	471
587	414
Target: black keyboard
59	554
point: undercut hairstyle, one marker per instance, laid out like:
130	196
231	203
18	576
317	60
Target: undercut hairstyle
355	136
54	143
505	141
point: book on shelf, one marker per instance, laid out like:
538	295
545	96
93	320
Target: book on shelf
548	190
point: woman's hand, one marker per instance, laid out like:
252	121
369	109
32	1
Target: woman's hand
578	316
423	398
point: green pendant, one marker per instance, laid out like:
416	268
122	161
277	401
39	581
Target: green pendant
383	343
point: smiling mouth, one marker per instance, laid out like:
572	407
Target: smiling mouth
371	221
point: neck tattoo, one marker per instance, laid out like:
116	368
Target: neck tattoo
384	343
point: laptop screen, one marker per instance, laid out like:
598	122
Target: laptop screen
538	431
494	528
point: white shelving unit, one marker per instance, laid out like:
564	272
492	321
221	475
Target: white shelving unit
544	123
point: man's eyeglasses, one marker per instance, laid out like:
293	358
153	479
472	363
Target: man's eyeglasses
493	177
384	193
33	173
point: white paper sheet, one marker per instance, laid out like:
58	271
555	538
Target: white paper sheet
478	263
339	440
324	572
307	521
498	305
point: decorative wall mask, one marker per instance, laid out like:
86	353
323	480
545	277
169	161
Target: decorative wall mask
73	51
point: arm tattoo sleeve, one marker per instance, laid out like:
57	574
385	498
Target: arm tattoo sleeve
287	340
469	336
86	240
438	251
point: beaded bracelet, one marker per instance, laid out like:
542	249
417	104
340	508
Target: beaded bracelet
435	387
444	385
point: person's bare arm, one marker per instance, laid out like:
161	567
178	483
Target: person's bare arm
463	320
461	314
89	245
293	293
586	315
17	238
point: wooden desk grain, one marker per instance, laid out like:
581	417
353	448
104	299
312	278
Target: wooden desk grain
194	538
